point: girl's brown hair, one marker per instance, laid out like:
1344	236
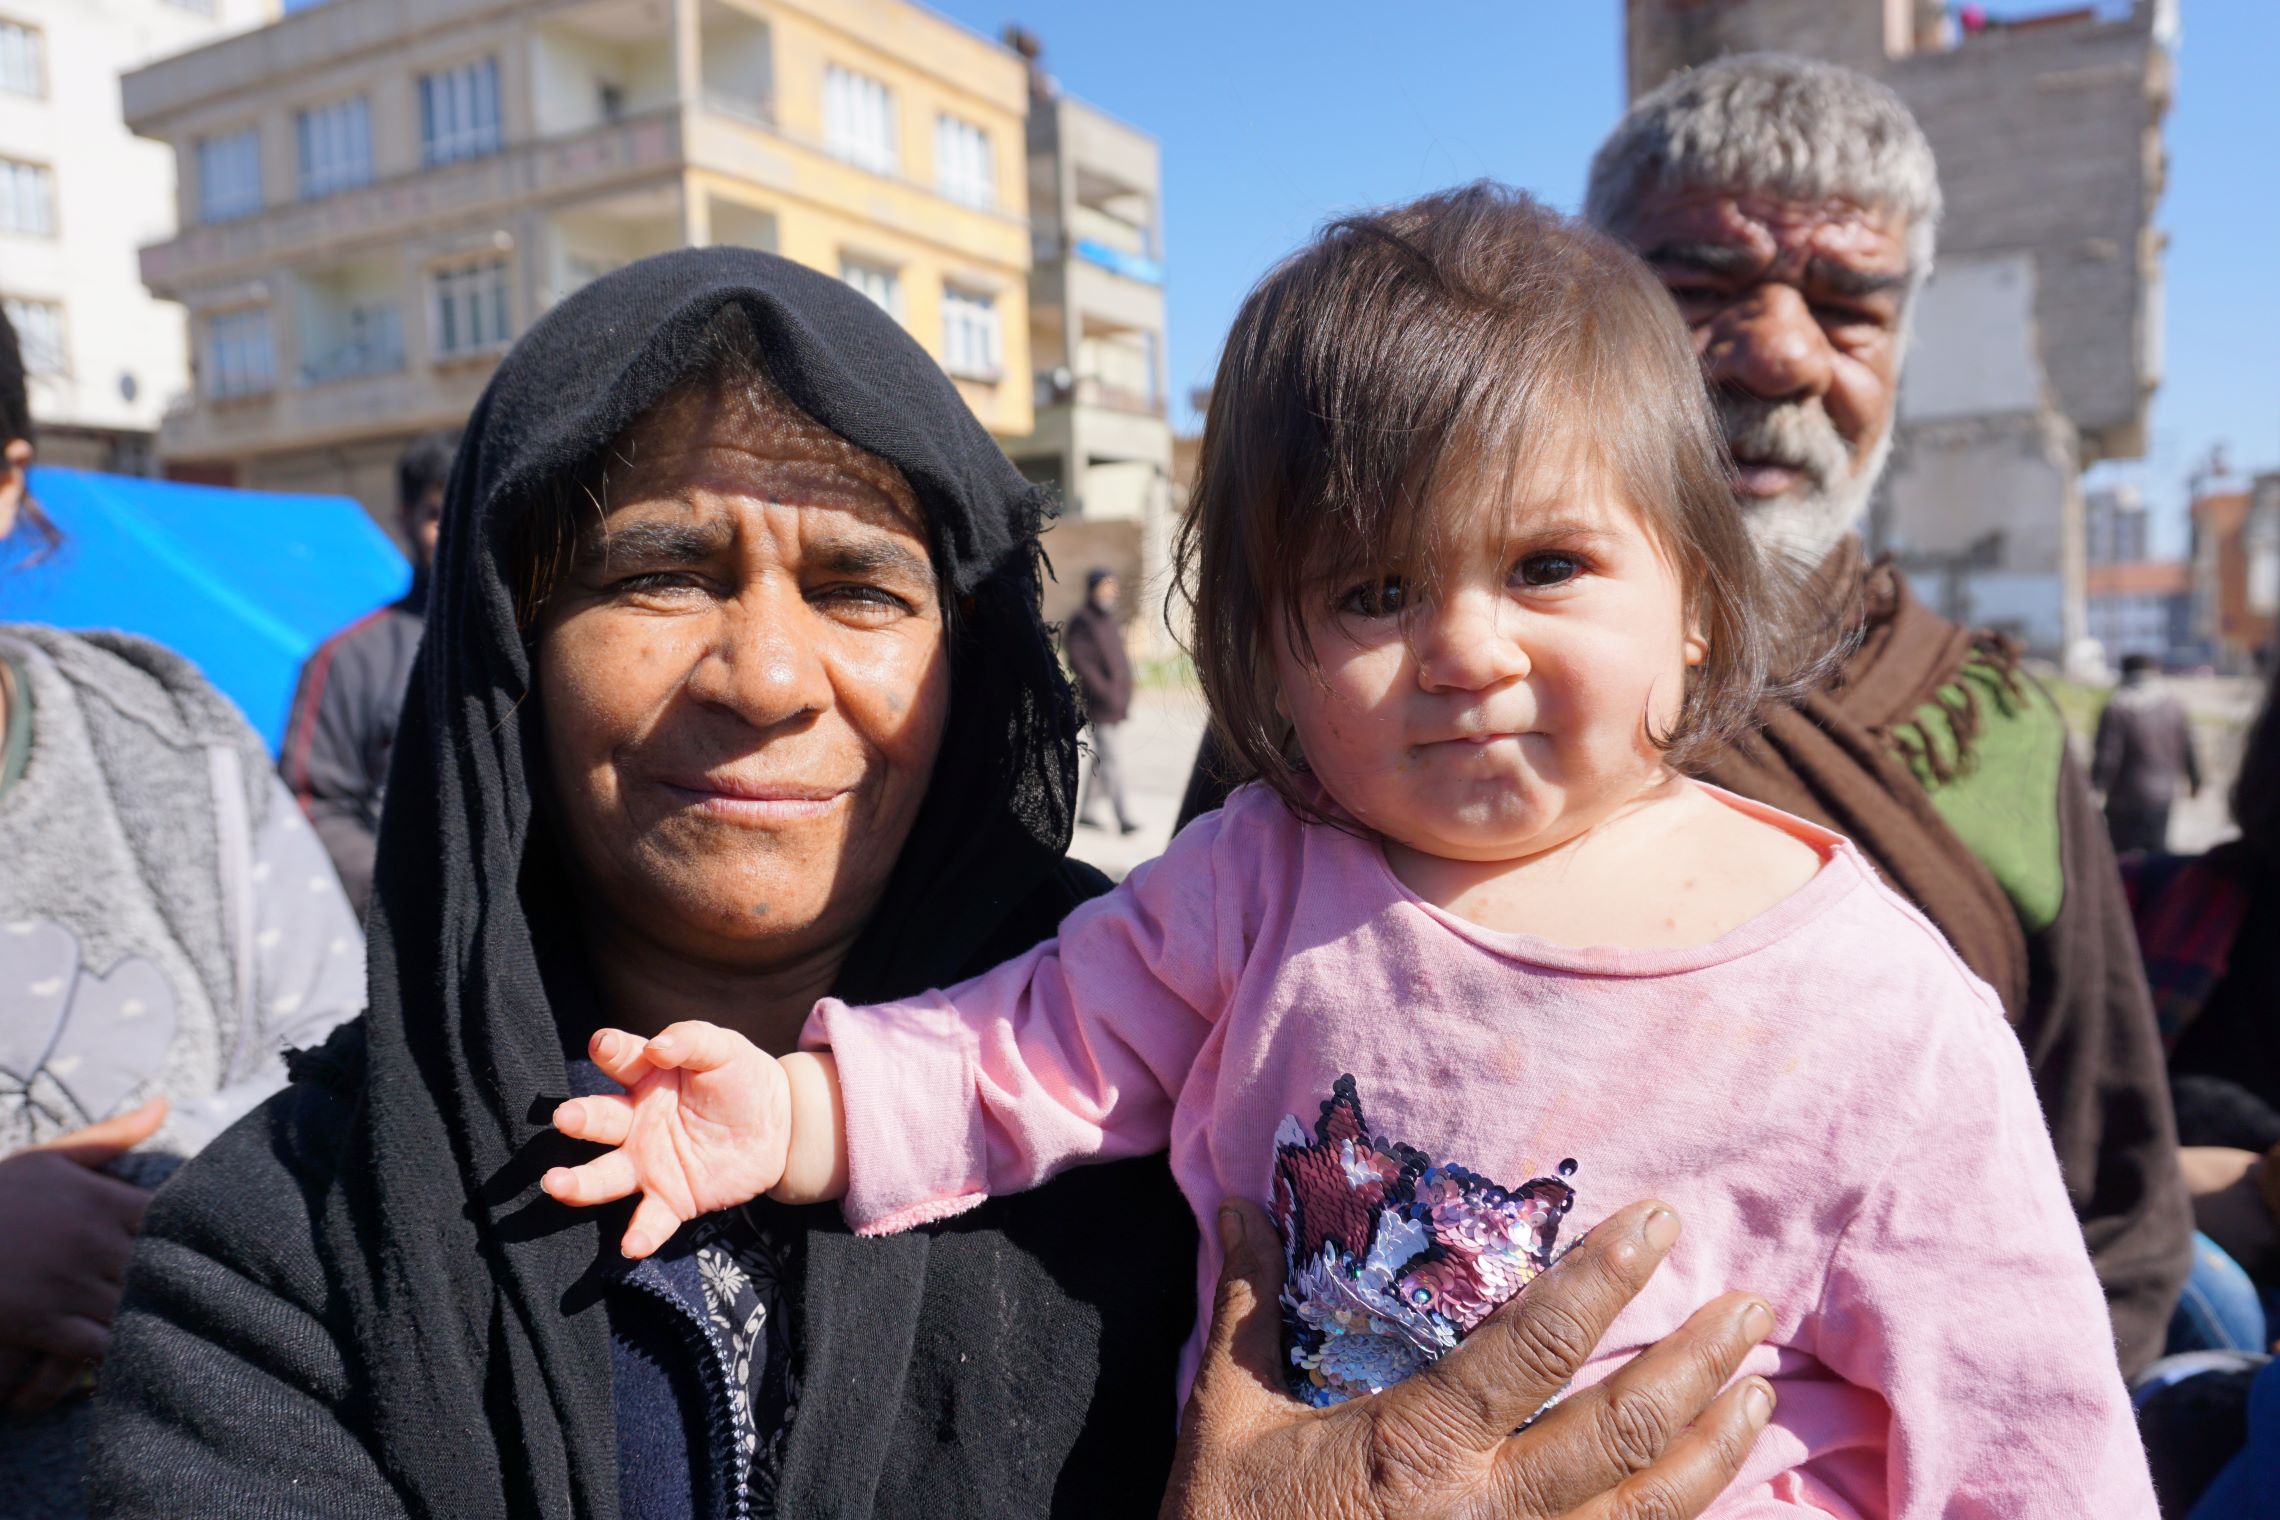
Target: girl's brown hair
1438	350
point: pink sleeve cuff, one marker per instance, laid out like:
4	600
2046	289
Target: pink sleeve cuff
916	1150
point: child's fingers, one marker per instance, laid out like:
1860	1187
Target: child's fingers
620	1055
653	1224
696	1046
603	1120
605	1179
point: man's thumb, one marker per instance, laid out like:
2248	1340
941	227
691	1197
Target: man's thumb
99	1144
1246	1318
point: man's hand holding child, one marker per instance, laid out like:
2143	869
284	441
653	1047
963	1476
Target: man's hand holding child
707	1121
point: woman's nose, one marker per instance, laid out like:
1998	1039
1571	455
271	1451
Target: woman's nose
1468	642
765	665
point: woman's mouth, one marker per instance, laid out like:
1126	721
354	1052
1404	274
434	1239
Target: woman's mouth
743	800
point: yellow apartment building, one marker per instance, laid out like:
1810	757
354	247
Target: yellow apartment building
378	196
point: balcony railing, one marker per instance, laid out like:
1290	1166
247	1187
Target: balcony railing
1091	390
1133	266
354	361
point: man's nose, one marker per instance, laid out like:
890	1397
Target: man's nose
765	665
1768	344
1468	642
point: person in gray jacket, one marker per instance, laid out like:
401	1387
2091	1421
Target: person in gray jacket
343	723
2143	753
168	924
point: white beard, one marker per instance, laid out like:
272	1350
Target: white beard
1798	531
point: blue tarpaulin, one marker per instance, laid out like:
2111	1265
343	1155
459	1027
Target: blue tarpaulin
244	583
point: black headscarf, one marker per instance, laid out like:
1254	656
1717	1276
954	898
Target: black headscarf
485	1358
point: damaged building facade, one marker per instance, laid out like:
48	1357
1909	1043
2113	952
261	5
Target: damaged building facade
2036	345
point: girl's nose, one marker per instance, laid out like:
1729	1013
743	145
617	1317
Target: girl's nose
1467	642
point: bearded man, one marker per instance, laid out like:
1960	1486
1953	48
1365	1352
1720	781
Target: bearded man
1791	206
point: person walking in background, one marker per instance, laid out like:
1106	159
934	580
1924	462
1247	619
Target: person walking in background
2144	749
335	756
168	925
1095	641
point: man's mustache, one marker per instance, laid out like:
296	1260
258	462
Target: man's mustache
1796	435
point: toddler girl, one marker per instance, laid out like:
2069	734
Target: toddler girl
1472	964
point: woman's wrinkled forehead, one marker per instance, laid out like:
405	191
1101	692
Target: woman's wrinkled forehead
747	439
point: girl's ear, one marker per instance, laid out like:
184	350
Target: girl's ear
1697	646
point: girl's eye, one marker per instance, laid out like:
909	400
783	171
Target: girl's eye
1549	569
1379	598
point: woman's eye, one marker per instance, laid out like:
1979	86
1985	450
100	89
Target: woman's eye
654	581
872	602
1549	569
1378	598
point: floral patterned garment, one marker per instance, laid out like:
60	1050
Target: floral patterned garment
742	1265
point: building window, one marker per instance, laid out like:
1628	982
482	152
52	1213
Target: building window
239	359
459	112
27	198
970	334
963	170
39	334
229	176
859	120
336	147
877	281
23	61
471	308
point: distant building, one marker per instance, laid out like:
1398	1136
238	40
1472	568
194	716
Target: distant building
379	197
2038	341
78	195
1103	438
2136	603
2236	572
2115	526
2142	607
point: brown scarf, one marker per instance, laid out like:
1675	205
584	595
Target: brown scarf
1838	757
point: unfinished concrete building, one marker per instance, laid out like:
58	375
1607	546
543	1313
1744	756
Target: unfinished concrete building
2037	344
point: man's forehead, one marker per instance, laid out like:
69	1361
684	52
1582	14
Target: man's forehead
1770	228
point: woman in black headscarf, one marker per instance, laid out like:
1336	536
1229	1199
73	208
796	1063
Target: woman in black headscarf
733	693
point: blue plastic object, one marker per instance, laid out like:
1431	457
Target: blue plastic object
243	583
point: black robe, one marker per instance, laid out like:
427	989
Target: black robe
358	1302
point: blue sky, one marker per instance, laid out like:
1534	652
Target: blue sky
1274	115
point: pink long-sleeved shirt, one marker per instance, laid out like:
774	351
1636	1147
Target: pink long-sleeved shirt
1830	1100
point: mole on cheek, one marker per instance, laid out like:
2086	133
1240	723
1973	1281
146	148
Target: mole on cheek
759	910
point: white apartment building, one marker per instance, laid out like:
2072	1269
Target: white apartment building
79	196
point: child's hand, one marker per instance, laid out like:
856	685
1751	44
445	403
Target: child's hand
704	1124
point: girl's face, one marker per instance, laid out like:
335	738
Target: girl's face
1508	709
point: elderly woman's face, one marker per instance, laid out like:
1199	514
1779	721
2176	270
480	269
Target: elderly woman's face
745	681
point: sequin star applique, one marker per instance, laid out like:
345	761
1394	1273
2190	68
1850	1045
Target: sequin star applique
1393	1257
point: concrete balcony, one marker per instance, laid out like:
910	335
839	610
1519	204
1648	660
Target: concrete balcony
1101	297
313	415
604	158
729	139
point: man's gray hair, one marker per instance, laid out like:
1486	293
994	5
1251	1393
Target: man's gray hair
1770	122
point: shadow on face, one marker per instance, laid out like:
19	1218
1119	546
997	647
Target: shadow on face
744	678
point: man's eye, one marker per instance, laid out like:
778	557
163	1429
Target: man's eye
1378	598
1549	569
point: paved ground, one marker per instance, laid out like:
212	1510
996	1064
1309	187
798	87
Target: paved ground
1159	745
1167	723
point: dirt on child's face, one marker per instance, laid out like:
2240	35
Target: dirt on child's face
1503	704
